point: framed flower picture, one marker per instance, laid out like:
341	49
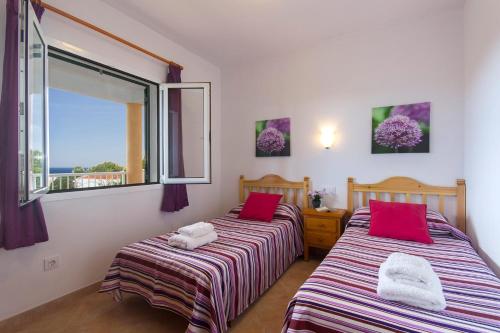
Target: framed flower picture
401	128
272	137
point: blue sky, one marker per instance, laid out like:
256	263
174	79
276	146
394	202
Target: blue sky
85	131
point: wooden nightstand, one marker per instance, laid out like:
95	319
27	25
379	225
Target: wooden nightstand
321	229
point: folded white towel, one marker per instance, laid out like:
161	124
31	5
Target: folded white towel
410	280
422	298
191	243
409	269
197	229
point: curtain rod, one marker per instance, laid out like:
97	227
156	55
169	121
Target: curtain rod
105	33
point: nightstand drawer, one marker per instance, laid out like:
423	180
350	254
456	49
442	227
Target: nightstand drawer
321	229
321	239
330	225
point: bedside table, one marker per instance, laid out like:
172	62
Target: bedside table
321	229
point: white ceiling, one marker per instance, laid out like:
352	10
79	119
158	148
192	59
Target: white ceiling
237	31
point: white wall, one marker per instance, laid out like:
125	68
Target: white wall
87	231
337	83
482	116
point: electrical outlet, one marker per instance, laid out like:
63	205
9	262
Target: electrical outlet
332	189
51	263
329	189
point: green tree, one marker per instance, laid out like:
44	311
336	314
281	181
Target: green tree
79	169
106	167
37	158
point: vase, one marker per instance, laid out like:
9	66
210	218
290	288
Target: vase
316	203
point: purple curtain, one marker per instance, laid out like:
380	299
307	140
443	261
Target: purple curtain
175	195
19	226
38	9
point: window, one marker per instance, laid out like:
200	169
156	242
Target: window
33	141
103	126
186	157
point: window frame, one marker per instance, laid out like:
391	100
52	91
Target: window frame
78	60
28	22
207	133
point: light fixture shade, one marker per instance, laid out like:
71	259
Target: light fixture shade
327	136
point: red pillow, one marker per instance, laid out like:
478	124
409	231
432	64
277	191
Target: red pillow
260	206
399	220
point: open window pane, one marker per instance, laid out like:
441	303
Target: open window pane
186	132
37	100
33	122
101	126
192	135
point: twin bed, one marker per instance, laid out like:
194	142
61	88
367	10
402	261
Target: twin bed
341	295
213	284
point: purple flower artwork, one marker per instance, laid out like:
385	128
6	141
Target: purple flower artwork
272	137
270	140
398	131
401	128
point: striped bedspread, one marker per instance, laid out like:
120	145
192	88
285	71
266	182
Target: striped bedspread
341	296
214	283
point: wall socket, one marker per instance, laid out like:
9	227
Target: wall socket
330	189
51	263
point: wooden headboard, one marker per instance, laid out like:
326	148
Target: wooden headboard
410	187
276	184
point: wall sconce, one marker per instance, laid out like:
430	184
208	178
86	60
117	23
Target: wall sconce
327	135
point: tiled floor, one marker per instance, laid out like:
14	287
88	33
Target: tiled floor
89	312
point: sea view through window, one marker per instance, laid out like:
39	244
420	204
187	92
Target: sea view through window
99	125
